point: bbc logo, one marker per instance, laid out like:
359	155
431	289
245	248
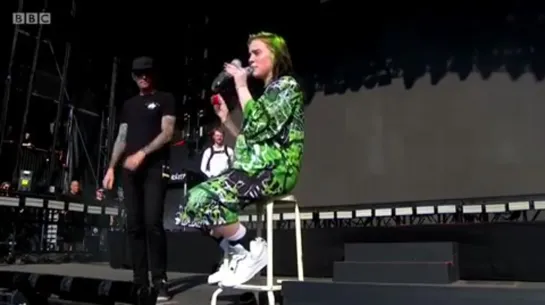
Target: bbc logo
31	18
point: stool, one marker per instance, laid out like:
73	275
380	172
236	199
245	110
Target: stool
270	286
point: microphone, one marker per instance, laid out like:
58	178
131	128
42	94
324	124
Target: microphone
223	76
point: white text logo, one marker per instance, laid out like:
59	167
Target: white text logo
31	18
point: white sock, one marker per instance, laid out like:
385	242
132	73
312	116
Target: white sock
224	245
239	234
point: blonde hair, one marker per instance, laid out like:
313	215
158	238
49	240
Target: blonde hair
282	64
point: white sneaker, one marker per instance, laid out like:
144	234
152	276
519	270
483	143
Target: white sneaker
217	276
245	264
258	245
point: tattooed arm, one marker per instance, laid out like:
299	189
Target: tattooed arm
119	145
167	130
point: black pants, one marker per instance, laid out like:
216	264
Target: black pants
144	191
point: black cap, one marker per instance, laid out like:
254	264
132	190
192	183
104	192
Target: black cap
142	63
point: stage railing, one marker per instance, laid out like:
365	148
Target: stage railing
466	210
446	207
32	225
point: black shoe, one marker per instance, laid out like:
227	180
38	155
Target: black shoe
143	296
160	288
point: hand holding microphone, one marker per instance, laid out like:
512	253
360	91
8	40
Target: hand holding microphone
239	74
231	70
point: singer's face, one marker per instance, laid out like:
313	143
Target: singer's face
143	80
261	59
218	137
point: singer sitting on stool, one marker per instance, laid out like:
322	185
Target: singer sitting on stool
268	153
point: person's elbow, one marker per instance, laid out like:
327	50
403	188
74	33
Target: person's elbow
168	134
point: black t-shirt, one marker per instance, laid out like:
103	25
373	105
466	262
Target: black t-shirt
143	115
73	218
76	198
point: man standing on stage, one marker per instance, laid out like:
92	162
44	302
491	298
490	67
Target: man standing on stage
147	126
217	158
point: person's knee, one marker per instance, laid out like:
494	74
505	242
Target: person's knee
154	226
227	229
196	199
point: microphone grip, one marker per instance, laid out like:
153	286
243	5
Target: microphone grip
219	80
222	77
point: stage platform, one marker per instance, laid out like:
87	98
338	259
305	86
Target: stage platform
186	288
192	288
327	292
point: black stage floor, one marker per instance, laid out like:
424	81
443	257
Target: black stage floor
192	288
458	293
188	288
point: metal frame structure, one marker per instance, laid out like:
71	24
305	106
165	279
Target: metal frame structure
29	87
8	81
62	96
74	140
107	126
196	76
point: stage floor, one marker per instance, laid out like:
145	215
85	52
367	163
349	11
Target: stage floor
458	293
192	288
187	288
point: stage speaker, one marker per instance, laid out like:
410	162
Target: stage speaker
25	181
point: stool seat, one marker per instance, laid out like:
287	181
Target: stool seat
257	288
270	286
284	198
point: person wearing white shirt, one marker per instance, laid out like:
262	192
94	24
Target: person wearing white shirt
217	158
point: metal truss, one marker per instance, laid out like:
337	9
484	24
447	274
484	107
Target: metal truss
40	82
45	79
196	76
107	127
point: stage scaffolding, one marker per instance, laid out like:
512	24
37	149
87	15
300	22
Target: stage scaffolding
29	155
107	127
197	78
44	85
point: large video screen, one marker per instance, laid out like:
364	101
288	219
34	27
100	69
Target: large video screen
456	139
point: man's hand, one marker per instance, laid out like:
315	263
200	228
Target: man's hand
108	181
133	161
